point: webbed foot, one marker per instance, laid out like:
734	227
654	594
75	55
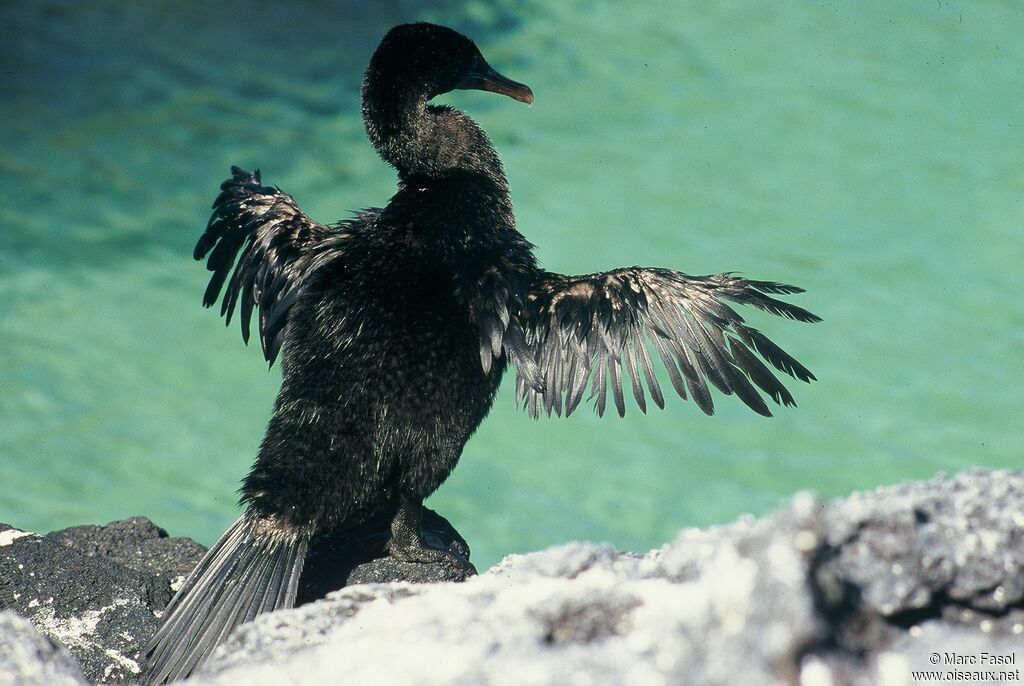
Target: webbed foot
407	542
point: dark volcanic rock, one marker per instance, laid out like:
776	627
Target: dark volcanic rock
99	590
135	543
94	589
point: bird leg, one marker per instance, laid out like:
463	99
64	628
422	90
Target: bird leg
407	544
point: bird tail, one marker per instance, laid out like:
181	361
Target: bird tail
254	567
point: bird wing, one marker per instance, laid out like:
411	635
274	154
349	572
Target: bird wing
494	298
280	247
602	328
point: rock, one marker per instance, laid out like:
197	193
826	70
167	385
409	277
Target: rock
135	543
27	658
358	556
96	590
951	541
925	568
862	590
724	606
99	590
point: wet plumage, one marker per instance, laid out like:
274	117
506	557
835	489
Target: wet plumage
394	328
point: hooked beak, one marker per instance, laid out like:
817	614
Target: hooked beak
482	77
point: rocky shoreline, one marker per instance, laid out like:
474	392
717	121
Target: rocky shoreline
867	589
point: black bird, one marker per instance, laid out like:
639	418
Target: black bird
394	329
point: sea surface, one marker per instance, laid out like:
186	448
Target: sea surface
871	152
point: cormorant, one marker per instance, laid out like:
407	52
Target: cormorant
394	328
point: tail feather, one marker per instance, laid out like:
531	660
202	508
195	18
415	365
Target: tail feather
253	568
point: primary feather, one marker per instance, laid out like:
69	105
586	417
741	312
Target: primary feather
280	247
602	327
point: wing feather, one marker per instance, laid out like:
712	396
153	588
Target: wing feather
634	378
594	330
615	374
280	247
652	381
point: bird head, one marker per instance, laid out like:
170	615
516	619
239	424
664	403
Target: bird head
431	60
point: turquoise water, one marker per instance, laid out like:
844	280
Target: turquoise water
870	152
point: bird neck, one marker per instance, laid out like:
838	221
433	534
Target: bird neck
421	140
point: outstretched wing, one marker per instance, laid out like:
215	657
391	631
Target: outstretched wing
281	247
602	329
